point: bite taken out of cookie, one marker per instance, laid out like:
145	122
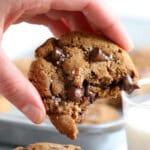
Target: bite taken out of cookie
71	72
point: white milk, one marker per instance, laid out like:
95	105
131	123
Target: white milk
138	128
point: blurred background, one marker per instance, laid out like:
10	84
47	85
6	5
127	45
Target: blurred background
131	8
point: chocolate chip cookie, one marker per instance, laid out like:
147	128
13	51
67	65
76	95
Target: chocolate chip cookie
71	72
49	146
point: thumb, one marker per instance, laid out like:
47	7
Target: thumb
19	91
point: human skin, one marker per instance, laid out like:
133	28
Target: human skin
59	16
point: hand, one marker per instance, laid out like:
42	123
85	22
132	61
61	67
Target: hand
59	16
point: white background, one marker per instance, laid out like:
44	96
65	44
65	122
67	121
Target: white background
131	8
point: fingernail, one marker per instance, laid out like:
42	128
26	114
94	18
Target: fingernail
35	114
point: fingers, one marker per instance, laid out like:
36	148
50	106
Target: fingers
100	18
58	27
78	22
95	16
20	91
97	13
69	5
75	20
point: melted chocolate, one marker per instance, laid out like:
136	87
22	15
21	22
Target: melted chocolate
57	56
128	85
90	94
97	54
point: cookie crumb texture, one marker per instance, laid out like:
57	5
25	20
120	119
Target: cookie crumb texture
71	72
49	146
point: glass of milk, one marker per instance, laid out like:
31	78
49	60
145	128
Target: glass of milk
136	108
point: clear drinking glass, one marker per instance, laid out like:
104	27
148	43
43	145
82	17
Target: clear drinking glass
136	109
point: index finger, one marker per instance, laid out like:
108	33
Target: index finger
107	23
99	16
19	91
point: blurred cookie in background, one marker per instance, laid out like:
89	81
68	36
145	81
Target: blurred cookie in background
100	113
5	105
23	65
141	59
49	146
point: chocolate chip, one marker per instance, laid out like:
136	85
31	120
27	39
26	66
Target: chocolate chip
57	53
92	97
66	146
48	58
88	92
74	93
56	56
97	54
85	83
128	85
